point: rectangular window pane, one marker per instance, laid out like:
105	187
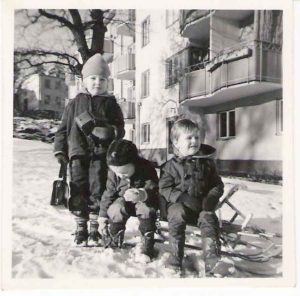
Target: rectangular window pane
145	31
47	83
223	124
232	123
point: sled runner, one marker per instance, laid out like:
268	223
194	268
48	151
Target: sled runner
242	243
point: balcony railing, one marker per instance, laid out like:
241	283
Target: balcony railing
255	61
128	109
188	17
125	67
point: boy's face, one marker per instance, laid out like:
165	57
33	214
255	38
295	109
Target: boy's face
96	85
188	144
123	171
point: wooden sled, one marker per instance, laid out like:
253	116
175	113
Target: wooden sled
245	241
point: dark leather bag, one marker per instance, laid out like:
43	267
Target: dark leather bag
60	190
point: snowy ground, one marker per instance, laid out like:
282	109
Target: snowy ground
42	240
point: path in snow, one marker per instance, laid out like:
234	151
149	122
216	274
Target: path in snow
42	240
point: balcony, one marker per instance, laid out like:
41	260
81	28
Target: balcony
128	109
126	20
194	24
245	70
108	50
125	67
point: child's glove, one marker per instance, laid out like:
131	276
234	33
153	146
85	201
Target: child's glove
210	203
190	202
103	226
135	195
62	158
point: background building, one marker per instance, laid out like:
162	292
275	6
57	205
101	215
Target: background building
44	93
219	68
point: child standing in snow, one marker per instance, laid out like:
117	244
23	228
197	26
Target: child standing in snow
192	187
91	121
131	190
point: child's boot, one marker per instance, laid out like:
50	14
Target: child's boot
94	235
177	249
117	232
148	244
211	254
209	225
81	233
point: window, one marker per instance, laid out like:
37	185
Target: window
47	83
145	31
279	117
57	84
171	17
172	71
47	99
58	101
145	83
146	133
226	124
174	67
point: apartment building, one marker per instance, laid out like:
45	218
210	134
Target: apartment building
123	66
46	92
221	68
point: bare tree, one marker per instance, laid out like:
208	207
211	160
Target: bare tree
74	23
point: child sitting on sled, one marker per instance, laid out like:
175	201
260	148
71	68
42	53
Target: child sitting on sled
131	190
192	187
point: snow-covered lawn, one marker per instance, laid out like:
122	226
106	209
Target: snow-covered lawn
42	240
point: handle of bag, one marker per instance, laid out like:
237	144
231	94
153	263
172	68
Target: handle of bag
63	171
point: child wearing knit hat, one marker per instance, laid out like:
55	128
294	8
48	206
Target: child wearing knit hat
131	190
90	122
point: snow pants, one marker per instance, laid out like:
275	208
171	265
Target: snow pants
87	184
120	211
179	215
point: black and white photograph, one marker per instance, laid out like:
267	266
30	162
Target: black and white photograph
149	144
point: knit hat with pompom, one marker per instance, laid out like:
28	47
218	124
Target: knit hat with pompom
95	65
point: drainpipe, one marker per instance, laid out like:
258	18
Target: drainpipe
137	124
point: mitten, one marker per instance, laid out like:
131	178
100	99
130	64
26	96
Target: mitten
135	195
62	158
209	203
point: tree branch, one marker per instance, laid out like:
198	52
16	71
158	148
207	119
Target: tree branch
58	18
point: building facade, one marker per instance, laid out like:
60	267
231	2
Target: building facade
44	92
220	68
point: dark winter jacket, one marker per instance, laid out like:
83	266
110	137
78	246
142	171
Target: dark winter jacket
69	139
145	176
193	181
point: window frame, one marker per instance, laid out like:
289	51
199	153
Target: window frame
227	122
58	84
145	130
145	84
145	31
47	83
47	99
58	101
